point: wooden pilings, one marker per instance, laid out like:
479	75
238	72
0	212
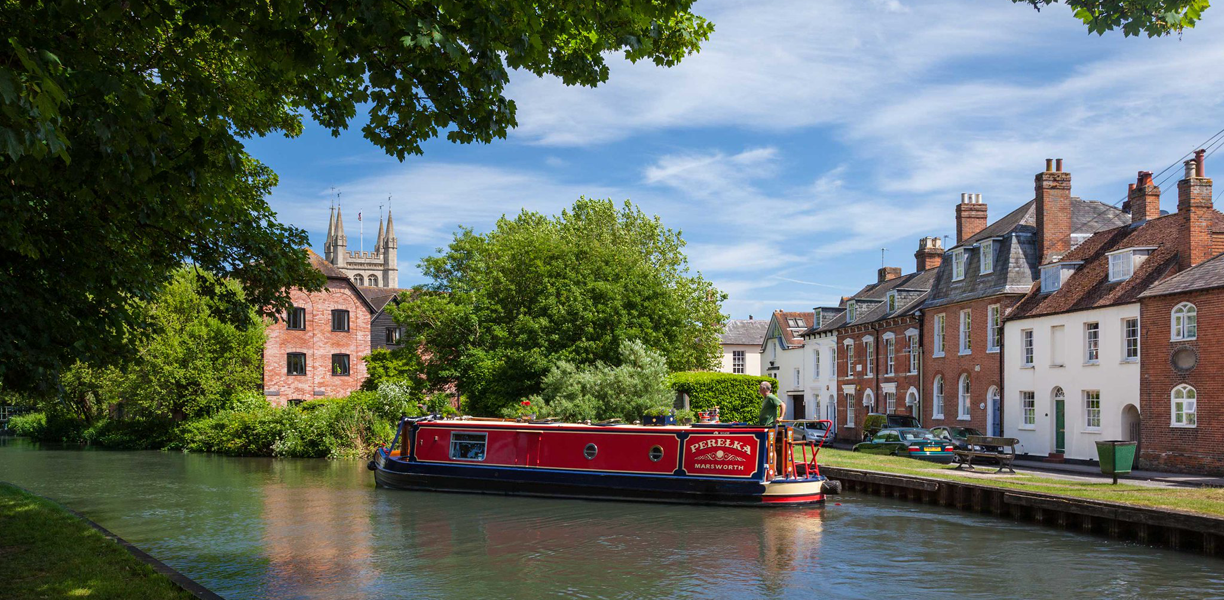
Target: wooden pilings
1151	526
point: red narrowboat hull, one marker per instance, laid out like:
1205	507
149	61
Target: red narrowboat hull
721	464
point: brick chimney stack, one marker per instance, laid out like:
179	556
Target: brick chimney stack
930	253
1053	193
1195	211
970	216
886	273
1143	198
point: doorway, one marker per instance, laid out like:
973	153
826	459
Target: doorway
1130	424
799	407
1060	421
994	412
831	414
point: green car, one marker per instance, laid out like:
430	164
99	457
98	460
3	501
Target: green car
913	442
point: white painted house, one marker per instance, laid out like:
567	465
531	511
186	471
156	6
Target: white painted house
783	358
820	350
1071	346
741	346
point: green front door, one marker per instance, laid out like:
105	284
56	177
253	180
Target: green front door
1060	426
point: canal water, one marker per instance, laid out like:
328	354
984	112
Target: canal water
265	528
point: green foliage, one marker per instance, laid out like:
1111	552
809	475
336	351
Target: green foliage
31	425
627	391
537	291
737	397
1133	17
401	365
121	153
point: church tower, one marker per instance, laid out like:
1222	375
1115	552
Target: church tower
371	269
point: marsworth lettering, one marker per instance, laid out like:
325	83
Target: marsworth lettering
720	443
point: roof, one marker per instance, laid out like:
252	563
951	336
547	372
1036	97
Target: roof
1206	275
1016	256
911	289
330	270
747	332
380	296
792	325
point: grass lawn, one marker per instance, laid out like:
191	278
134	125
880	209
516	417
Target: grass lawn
48	552
1207	501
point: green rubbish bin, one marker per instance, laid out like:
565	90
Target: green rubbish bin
1116	457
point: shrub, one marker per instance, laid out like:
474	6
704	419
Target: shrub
131	434
736	396
600	391
29	425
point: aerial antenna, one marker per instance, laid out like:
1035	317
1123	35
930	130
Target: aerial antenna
882	251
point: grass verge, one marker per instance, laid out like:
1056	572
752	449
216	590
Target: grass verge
48	552
1205	501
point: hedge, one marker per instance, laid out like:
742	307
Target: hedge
736	396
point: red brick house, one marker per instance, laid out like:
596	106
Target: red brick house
988	270
1182	427
317	349
878	345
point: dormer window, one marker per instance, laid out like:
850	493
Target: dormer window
1122	263
892	301
850	312
1053	276
958	265
987	256
818	319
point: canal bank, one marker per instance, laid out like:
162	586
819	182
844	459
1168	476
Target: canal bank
50	550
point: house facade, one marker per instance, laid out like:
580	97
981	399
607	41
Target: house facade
820	354
741	341
1183	361
316	350
782	357
1072	361
991	267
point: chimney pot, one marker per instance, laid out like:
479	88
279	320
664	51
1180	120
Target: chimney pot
970	217
1190	167
1049	165
1199	158
1130	187
1143	198
1058	165
929	254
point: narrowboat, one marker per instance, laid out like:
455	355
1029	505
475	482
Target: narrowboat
704	463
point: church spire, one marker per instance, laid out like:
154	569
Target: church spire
390	236
331	230
378	241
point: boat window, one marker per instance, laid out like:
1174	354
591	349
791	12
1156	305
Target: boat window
468	446
656	453
590	451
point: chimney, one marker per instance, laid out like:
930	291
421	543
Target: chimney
930	253
1053	194
1195	211
970	216
1143	198
886	273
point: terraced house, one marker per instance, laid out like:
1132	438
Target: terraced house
820	350
1073	367
877	344
991	267
782	358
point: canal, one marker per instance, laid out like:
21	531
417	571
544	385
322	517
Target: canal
264	528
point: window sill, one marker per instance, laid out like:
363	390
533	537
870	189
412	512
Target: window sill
1028	366
1183	339
1095	363
965	353
1176	426
340	375
989	351
1129	361
295	374
964	418
1094	431
1057	366
1028	428
295	329
940	355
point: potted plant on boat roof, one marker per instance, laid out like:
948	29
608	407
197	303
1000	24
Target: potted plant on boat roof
659	415
525	412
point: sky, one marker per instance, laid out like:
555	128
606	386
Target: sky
804	138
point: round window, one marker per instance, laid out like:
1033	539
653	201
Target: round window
1184	359
590	451
656	453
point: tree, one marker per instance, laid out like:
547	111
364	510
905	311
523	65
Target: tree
577	393
503	308
1153	17
121	128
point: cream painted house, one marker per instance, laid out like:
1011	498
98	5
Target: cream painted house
820	350
783	358
741	346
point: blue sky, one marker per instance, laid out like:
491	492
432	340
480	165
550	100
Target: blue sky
802	139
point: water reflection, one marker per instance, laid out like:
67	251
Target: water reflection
262	528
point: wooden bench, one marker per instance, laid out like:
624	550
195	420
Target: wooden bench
979	446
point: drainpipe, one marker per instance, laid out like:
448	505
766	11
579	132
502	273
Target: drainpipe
921	367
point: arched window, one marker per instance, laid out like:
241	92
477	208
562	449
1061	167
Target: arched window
963	397
1185	322
937	396
869	400
911	397
358	279
1185	406
373	280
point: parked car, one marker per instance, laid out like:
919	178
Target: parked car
913	442
957	435
810	432
877	421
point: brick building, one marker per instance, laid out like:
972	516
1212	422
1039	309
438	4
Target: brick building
980	279
317	349
1183	358
878	345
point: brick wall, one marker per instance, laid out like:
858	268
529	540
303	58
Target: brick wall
984	368
318	342
1163	447
848	374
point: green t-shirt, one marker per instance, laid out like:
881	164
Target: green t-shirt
769	411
